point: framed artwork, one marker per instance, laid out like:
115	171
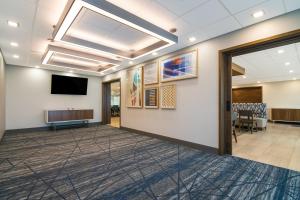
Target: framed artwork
179	67
134	96
151	73
151	97
168	97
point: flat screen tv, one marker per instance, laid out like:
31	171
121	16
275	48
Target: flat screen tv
68	85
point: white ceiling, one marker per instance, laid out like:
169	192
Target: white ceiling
93	27
203	19
269	65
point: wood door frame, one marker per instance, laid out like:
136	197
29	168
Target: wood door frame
225	80
106	118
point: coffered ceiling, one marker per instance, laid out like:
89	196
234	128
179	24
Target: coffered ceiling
202	19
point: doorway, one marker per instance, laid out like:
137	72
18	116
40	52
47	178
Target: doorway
225	80
111	103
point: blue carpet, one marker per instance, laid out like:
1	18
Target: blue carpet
108	163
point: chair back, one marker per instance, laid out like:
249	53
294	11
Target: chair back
246	114
234	116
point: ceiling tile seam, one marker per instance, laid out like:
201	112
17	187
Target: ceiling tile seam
180	16
230	13
284	5
243	10
32	30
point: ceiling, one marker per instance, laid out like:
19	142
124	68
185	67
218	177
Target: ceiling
202	19
276	64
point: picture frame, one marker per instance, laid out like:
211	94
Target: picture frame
151	73
168	97
151	97
179	67
134	88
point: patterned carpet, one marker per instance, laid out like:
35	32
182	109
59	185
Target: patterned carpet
108	163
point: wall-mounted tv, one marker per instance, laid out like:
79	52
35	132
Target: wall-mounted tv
68	85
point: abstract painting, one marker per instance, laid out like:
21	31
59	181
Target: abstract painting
168	97
135	88
151	97
179	67
151	73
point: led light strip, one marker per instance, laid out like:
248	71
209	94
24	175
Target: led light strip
115	13
84	56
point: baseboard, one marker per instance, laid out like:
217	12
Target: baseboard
43	128
174	140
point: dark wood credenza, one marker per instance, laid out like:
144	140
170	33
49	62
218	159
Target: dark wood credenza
285	114
60	116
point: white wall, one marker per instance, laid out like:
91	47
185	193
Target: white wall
284	94
2	96
196	116
28	95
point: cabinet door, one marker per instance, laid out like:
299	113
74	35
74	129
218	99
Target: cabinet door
280	114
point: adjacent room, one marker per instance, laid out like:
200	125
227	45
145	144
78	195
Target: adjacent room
266	107
149	99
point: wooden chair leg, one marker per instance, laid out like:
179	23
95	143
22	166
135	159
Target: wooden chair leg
234	134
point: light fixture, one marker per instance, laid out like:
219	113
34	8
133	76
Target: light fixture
61	61
14	44
287	63
130	63
12	24
258	14
294	78
71	71
114	68
37	67
280	51
154	53
258	82
244	77
117	14
16	56
192	39
291	71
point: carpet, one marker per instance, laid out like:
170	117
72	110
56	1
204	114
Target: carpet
109	163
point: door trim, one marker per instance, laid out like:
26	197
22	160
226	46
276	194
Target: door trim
225	80
106	97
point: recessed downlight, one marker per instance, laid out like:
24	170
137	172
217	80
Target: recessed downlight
37	67
114	68
294	78
154	53
291	71
192	39
244	77
14	44
130	62
258	82
71	71
287	63
280	51
16	56
258	14
12	24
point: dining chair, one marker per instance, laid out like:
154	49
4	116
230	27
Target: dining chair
246	117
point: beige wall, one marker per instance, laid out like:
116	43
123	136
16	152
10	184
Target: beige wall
28	95
196	116
2	95
284	94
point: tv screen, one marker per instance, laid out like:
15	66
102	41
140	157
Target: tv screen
68	85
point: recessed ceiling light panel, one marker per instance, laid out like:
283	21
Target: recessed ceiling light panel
258	14
72	28
62	57
12	24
